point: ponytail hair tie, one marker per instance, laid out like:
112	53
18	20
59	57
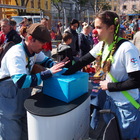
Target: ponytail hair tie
116	21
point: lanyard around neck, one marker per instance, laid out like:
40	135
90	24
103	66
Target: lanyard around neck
108	51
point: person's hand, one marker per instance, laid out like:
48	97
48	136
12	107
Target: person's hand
103	85
58	67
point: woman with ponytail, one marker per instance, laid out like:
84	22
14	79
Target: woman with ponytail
118	73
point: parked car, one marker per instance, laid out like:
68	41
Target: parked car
34	19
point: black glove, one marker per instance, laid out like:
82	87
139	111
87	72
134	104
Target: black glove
67	72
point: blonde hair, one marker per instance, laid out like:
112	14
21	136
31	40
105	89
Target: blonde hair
86	25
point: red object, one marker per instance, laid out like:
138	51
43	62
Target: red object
2	37
30	37
94	31
89	69
47	46
53	35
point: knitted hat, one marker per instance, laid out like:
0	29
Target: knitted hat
39	32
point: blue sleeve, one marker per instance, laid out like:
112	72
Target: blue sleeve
47	62
26	81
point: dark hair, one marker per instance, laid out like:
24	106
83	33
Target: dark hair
109	18
74	21
66	36
44	19
12	22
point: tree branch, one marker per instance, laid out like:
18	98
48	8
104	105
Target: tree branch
17	2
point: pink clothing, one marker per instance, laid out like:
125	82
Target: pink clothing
95	39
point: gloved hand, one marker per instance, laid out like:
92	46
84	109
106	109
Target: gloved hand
67	72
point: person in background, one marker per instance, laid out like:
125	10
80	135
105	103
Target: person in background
136	26
25	20
79	29
139	22
122	31
17	79
8	27
53	34
30	21
85	43
117	70
47	48
95	36
23	32
22	24
3	35
59	29
8	33
45	22
64	50
136	40
74	24
2	38
14	24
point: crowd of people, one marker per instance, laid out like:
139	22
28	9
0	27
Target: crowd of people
117	66
129	27
19	73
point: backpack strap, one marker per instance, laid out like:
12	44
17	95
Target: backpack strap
120	42
125	93
117	46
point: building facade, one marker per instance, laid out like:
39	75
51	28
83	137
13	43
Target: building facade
114	4
10	8
129	7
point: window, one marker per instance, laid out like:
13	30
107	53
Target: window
133	6
115	8
124	7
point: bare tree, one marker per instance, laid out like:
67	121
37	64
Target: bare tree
23	3
81	6
99	6
104	6
58	5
